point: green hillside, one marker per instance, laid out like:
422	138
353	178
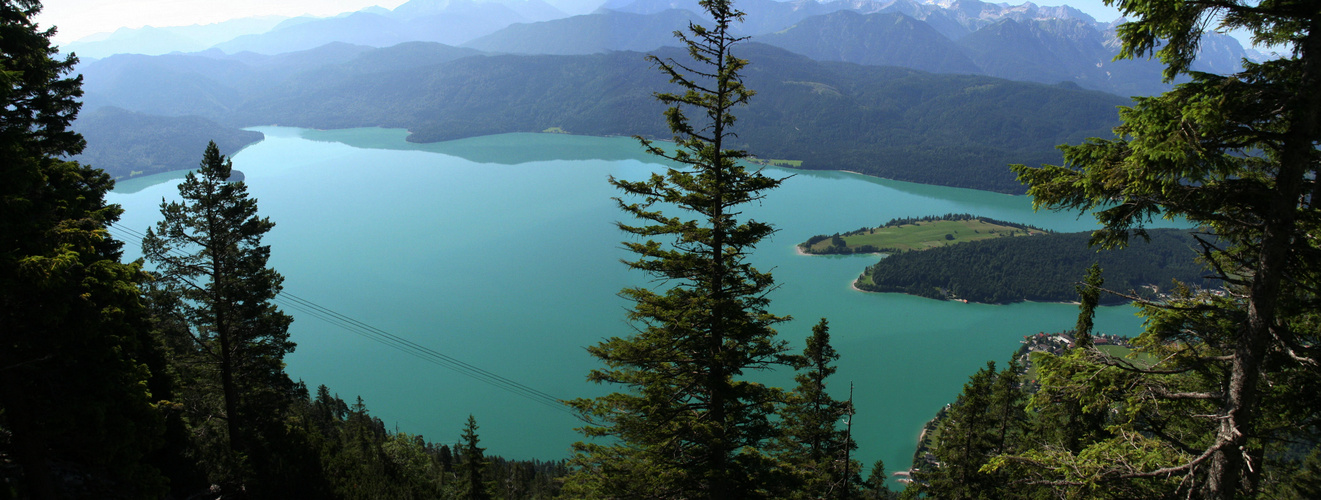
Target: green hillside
954	130
128	144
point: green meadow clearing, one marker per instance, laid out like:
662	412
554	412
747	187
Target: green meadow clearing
919	236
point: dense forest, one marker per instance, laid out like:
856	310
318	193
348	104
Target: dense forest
1040	268
127	144
116	382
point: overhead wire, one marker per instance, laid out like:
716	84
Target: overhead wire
393	341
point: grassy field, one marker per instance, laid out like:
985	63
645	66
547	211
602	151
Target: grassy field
924	235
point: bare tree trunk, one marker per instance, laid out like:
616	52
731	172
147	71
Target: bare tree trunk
1230	464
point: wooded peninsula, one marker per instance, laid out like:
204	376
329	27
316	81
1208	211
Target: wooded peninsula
1042	268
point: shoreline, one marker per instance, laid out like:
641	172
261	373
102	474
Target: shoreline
800	251
854	285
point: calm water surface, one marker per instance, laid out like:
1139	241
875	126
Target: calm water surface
502	251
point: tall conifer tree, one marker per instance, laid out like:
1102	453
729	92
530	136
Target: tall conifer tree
208	252
810	439
967	439
474	465
689	424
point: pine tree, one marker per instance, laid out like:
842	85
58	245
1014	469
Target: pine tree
1237	156
690	425
811	440
967	439
875	487
1089	296
76	358
208	253
474	464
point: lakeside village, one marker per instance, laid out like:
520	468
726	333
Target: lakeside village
1053	343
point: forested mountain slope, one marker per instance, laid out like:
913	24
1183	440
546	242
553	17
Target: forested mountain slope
956	130
127	144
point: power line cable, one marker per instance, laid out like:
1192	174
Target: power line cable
396	342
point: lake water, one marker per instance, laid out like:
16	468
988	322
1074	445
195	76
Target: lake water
502	251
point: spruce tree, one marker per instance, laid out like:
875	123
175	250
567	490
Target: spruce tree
77	363
474	466
811	440
1236	155
875	488
966	441
208	254
689	424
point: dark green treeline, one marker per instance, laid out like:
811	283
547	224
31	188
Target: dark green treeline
119	383
1040	268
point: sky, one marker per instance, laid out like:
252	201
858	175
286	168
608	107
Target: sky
76	19
79	18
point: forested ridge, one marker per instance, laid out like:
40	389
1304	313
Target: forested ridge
127	144
1041	268
955	130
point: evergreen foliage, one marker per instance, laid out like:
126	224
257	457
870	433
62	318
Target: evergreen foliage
127	144
474	465
79	370
984	421
690	424
1236	374
208	254
875	488
111	384
810	439
1089	296
345	452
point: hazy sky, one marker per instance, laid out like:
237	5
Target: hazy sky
79	18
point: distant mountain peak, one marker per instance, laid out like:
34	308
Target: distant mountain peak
1026	11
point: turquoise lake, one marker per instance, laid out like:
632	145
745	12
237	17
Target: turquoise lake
502	251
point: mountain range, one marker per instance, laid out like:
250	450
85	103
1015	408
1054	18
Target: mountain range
1024	42
942	93
958	130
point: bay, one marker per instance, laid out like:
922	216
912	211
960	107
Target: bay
502	252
